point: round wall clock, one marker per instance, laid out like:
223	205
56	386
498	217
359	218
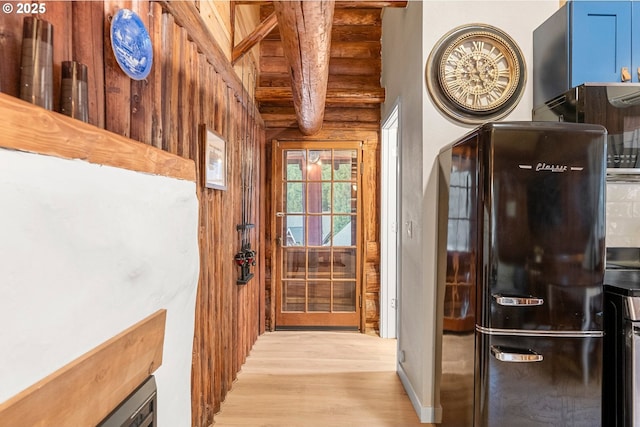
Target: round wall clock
476	73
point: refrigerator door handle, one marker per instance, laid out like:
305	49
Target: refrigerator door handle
510	300
505	354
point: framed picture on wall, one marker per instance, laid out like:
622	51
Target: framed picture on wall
215	159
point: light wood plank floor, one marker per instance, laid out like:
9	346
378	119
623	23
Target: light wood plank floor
306	379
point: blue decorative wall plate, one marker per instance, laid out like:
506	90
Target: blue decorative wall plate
131	44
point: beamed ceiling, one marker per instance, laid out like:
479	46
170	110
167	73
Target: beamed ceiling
320	63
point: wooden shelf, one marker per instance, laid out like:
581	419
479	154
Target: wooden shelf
27	127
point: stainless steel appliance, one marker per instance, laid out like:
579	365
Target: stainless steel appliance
520	272
621	405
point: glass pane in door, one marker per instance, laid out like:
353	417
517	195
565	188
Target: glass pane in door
320	296
294	296
319	263
344	296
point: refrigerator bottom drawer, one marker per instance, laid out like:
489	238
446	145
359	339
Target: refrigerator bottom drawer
538	381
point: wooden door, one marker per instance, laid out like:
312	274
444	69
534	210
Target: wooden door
316	203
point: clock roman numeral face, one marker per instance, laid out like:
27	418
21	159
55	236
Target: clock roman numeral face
479	73
476	72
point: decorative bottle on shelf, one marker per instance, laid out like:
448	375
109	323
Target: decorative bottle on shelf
73	91
36	68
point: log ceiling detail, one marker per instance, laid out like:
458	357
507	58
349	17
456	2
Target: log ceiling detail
305	30
254	38
320	63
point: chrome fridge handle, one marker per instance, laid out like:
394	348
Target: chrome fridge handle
515	355
517	301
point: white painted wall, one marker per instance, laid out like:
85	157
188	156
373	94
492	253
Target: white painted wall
86	251
408	36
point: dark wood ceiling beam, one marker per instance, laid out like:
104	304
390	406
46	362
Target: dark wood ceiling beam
333	96
305	29
256	36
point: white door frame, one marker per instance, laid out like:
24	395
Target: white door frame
389	249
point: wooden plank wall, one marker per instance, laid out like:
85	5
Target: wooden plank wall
186	88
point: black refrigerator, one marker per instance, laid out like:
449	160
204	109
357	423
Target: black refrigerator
521	256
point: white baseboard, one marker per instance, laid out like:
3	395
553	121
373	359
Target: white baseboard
426	414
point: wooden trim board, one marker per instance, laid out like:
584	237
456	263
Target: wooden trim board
85	391
27	127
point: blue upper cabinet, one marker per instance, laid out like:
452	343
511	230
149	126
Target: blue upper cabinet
585	42
600	41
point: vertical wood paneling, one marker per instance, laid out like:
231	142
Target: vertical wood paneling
182	92
238	291
228	314
201	330
172	95
240	152
228	222
117	83
167	77
142	90
88	48
258	242
156	76
205	375
224	362
218	102
190	128
270	233
215	264
213	13
264	254
371	239
10	47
